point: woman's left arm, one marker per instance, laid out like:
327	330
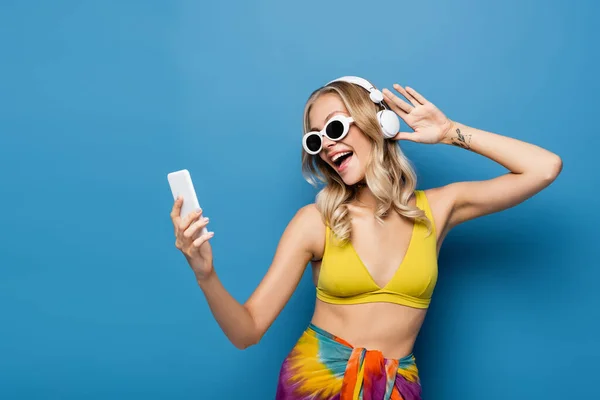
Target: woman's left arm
532	168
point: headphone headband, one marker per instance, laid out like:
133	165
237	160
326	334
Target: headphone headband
375	95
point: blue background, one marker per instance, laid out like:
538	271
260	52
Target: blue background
100	100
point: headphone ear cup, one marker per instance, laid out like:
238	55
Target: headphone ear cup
376	96
389	123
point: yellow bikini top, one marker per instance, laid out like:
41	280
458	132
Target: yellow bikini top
344	279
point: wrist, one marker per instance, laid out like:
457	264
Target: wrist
460	136
205	279
449	132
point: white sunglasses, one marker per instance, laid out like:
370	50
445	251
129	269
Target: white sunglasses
335	129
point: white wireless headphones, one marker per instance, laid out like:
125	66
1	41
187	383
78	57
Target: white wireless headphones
388	120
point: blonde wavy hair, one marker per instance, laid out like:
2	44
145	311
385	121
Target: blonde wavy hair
389	174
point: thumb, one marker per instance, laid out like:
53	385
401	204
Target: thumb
410	136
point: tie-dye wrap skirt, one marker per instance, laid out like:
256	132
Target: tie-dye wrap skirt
324	367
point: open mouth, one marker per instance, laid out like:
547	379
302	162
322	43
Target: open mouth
342	159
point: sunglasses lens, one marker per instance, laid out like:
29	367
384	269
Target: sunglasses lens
335	129
313	142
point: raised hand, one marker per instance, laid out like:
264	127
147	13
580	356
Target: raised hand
195	247
430	125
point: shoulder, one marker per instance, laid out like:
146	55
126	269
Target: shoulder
440	197
309	220
310	216
310	226
441	201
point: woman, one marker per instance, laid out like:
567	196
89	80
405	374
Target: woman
372	240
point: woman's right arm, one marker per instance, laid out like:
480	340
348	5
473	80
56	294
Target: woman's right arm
245	324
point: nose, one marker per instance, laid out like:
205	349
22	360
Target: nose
327	142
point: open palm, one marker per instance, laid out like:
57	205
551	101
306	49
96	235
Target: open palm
430	125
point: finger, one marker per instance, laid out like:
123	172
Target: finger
394	107
176	210
416	95
188	219
200	241
195	227
397	101
410	136
404	93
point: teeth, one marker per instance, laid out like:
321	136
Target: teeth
339	155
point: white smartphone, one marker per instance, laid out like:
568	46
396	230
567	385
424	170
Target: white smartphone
181	185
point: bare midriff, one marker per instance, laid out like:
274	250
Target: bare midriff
390	328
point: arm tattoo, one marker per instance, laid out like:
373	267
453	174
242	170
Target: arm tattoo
461	140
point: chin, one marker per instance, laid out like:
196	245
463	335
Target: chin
352	179
351	172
